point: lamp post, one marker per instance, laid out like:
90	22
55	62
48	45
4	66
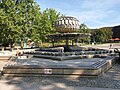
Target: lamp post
11	44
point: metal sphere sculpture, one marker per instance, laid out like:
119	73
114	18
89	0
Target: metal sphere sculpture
67	25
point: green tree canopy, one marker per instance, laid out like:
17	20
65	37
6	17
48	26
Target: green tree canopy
22	19
17	19
102	35
48	18
84	29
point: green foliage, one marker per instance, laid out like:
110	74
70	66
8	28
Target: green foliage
22	19
102	35
48	18
84	29
7	20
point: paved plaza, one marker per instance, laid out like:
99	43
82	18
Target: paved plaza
105	46
109	80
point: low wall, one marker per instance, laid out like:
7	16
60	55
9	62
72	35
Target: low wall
5	58
35	70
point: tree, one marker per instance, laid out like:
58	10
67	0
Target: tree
102	35
22	20
7	21
84	29
29	16
18	19
48	18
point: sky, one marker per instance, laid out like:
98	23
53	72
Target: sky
93	13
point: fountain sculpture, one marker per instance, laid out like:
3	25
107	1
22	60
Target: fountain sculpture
67	28
81	62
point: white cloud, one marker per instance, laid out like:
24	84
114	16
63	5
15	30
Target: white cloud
100	13
95	16
94	13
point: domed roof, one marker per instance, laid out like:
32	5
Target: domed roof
67	24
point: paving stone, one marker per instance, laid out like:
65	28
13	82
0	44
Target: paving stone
109	79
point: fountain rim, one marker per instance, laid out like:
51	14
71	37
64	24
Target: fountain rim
66	35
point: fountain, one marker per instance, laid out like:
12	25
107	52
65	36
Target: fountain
65	60
67	28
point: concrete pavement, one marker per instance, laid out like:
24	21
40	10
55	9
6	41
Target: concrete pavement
107	81
5	85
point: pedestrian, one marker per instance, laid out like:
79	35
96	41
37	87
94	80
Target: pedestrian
18	52
110	45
